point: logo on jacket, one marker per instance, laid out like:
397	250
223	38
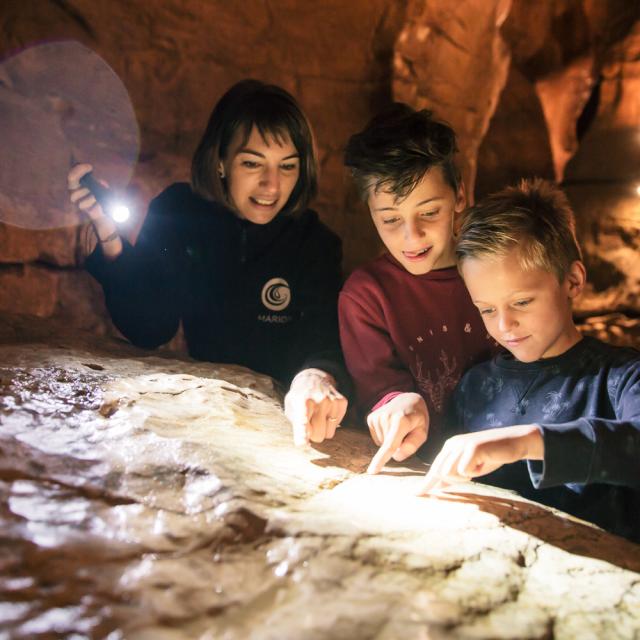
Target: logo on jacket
276	294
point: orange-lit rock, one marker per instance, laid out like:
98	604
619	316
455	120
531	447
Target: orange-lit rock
517	132
70	296
56	247
452	59
609	233
512	76
602	180
563	96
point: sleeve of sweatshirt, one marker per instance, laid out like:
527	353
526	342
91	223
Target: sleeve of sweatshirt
378	373
142	287
593	449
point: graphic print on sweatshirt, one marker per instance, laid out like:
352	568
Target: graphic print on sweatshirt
554	406
438	389
437	375
276	296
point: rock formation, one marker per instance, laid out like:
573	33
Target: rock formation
149	497
543	89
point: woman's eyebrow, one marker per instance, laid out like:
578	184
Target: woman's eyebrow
253	152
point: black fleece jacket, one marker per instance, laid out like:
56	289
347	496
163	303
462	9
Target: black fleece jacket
263	296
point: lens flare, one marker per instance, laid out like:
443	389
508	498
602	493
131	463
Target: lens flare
120	212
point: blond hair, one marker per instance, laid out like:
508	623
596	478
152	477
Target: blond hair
535	217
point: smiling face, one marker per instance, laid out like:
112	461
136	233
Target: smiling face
418	229
260	174
526	311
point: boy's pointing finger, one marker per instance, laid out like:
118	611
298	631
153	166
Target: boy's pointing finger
392	440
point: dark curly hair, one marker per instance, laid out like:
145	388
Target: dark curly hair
398	146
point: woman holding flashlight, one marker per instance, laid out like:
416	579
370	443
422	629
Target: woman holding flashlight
237	257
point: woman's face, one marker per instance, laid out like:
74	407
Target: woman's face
260	175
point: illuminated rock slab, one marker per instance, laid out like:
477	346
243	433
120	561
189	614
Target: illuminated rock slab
150	498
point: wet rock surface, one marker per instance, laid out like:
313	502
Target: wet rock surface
149	497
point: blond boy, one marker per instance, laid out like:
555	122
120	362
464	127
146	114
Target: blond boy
568	405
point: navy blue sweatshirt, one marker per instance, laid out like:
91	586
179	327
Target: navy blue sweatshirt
263	296
586	403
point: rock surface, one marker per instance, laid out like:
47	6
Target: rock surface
145	498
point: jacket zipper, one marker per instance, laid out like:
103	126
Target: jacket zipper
243	244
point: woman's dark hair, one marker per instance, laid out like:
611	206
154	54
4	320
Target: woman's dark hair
396	149
274	112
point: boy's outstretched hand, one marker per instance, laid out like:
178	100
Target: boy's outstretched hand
399	428
469	455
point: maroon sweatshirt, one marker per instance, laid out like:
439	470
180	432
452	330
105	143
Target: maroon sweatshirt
405	333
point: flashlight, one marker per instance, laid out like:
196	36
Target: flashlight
106	199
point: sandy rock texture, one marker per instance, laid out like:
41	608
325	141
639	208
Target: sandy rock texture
533	87
155	498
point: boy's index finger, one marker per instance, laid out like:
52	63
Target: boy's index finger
429	483
433	478
387	448
382	456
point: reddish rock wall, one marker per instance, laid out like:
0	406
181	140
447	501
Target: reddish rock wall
544	89
451	58
603	181
176	58
512	76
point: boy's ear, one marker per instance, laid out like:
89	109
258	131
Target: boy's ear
461	198
575	279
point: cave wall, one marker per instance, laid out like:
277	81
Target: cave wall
603	181
533	87
545	89
176	58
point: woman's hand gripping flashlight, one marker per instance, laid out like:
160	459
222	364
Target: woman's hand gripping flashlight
118	211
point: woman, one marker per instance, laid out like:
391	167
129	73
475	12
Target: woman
236	256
